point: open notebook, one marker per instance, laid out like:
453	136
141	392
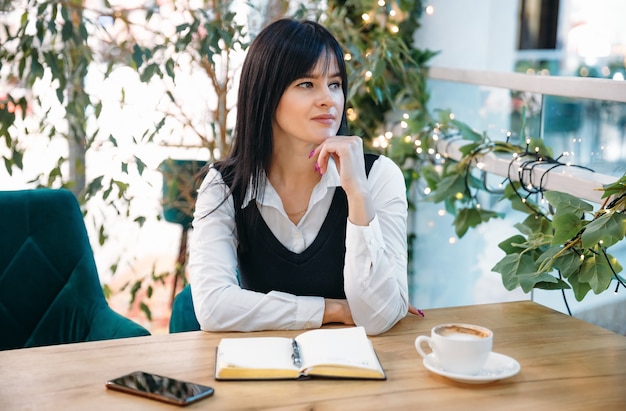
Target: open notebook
330	353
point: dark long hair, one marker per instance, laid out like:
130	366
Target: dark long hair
283	52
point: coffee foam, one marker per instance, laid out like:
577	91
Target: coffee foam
458	332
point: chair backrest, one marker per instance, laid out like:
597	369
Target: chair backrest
50	292
183	316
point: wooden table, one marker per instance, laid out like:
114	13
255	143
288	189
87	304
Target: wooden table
566	364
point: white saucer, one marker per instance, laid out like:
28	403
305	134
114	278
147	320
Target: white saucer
497	367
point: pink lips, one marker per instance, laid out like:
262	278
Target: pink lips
325	118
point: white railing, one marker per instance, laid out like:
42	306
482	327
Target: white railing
579	182
578	87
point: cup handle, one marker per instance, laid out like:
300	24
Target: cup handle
418	344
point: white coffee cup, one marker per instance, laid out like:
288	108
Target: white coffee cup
459	348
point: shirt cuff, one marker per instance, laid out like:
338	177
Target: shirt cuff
310	312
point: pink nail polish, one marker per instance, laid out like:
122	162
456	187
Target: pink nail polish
316	168
311	153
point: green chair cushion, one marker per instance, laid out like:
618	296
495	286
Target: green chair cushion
50	291
183	316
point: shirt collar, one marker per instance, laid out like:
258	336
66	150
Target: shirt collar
329	180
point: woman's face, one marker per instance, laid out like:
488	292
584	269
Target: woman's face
311	107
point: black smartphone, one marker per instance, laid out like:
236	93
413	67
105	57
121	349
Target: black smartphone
160	388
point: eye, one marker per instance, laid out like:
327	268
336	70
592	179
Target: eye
305	84
335	85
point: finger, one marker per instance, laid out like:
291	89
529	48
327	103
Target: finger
322	158
339	147
415	311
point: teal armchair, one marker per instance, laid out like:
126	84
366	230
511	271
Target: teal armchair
183	316
50	292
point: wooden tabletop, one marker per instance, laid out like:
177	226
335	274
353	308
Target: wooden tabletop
565	364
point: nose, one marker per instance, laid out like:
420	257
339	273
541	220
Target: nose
325	97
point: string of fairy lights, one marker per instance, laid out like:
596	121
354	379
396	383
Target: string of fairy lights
522	166
521	169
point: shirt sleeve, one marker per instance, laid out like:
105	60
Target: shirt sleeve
219	302
375	272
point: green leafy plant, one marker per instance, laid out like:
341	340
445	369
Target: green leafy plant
562	243
571	242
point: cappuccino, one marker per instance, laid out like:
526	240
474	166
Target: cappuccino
457	332
458	348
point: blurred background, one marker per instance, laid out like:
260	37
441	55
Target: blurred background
569	38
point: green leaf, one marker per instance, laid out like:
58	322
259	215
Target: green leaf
112	140
431	176
539	147
566	227
134	289
467	149
140	165
517	204
537	223
617	187
467	132
513	244
94	186
568	262
529	281
597	272
107	291
137	56
149	72
121	187
67	32
102	236
580	288
448	187
567	204
512	266
169	68
471	217
146	310
466	218
558	285
607	230
8	165
545	261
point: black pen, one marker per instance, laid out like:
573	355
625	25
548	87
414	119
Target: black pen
297	359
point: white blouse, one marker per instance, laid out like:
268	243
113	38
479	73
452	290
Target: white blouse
375	271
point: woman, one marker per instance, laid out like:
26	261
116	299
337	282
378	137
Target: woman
290	231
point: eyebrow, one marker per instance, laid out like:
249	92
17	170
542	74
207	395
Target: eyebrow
314	75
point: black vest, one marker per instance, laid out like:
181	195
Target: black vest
266	265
